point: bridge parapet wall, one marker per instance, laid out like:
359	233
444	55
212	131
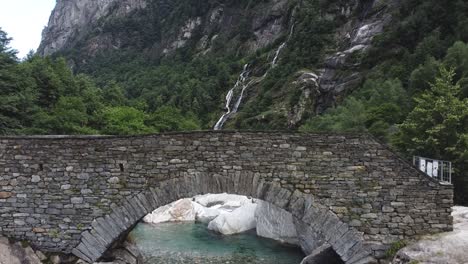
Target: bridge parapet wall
52	188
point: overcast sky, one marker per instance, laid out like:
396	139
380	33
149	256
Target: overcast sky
24	20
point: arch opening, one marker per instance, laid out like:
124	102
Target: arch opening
318	225
218	228
323	254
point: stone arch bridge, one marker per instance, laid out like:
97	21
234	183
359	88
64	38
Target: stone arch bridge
80	194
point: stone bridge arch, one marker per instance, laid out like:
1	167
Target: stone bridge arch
57	191
321	226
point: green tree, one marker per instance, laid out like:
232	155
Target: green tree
17	89
457	57
114	94
6	52
68	117
376	107
7	62
124	120
348	117
171	119
422	76
49	83
438	125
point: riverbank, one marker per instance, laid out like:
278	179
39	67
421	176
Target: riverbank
444	248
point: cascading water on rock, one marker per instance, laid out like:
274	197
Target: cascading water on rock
242	82
229	111
278	51
283	45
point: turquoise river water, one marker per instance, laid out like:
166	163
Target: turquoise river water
193	243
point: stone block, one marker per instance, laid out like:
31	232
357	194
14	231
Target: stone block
5	195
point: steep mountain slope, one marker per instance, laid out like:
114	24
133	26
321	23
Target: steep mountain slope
167	25
306	52
396	69
72	19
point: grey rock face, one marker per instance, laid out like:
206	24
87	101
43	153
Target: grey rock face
70	18
73	19
185	34
308	84
450	247
341	71
275	223
268	25
16	254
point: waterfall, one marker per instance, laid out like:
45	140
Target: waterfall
240	82
277	53
283	45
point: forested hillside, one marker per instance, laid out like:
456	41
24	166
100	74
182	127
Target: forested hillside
396	69
415	95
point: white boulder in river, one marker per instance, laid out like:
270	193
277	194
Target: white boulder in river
204	214
225	213
222	200
239	220
179	211
275	223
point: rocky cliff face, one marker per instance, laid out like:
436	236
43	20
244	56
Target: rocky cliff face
71	19
15	253
341	70
159	28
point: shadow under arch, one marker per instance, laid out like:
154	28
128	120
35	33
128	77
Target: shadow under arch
322	226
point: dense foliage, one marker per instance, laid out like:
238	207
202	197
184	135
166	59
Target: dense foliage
414	95
43	96
375	108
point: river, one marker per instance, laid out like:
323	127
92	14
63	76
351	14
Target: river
192	243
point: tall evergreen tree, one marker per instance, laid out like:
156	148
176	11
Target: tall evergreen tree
438	126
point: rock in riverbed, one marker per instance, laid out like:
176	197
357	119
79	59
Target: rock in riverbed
275	223
182	210
225	213
450	247
239	220
16	254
